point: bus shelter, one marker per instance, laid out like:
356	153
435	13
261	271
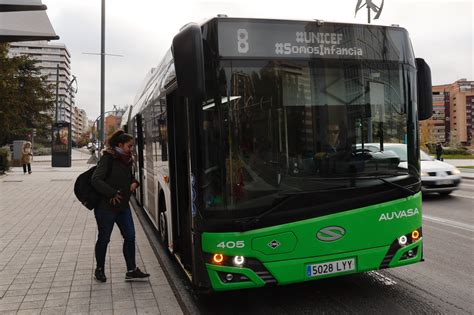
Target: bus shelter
24	20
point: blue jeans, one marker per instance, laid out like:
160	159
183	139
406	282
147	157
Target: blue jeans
105	223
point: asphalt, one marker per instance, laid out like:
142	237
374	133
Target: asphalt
47	251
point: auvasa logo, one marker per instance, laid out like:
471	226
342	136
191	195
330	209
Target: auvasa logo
398	214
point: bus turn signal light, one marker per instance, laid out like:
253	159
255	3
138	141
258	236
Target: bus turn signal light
217	259
415	235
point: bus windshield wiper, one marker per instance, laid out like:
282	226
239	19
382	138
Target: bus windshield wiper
287	196
400	187
403	188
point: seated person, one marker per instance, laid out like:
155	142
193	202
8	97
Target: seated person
334	143
335	152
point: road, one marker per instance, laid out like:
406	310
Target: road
442	284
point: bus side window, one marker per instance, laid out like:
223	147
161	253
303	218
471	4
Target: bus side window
163	137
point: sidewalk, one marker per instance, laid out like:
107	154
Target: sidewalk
47	243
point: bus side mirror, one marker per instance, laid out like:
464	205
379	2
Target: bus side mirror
425	94
188	57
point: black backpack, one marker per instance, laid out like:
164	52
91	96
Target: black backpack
84	190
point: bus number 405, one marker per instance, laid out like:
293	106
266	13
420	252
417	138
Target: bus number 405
231	244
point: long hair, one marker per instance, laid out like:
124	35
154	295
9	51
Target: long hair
117	137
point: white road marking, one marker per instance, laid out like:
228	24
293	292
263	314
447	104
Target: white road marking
382	278
459	225
457	194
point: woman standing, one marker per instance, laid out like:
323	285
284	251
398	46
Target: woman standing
26	157
113	179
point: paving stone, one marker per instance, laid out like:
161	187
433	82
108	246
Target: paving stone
77	309
32	305
53	310
21	292
29	312
79	301
47	257
101	307
38	291
35	297
9	306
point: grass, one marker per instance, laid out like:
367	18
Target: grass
472	167
457	156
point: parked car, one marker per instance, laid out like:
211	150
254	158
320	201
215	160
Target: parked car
436	176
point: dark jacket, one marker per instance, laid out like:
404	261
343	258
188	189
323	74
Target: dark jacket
120	178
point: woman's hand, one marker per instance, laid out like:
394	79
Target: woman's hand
133	186
116	199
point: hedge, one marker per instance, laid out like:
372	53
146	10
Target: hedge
4	160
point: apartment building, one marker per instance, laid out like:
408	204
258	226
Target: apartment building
79	123
452	114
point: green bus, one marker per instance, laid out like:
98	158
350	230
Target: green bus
250	150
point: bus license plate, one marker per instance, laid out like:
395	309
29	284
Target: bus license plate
330	267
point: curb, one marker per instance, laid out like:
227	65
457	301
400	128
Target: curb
178	281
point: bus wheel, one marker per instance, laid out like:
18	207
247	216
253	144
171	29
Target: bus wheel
163	229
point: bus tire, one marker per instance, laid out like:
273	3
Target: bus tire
163	229
162	222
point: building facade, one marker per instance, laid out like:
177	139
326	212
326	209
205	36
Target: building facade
79	124
113	120
50	57
451	123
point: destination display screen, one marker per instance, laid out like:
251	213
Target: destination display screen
287	39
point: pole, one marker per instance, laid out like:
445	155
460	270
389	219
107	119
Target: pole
102	77
57	91
368	12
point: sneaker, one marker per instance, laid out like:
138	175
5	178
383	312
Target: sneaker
136	274
100	275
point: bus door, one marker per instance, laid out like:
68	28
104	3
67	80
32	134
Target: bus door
179	178
140	155
150	195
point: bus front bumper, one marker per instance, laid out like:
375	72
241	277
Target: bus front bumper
228	277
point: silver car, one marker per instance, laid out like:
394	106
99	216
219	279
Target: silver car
436	176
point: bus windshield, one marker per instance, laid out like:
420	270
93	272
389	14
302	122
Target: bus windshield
282	127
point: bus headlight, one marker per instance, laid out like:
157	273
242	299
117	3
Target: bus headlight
402	240
239	260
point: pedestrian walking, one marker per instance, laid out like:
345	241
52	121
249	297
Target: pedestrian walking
116	184
439	151
26	157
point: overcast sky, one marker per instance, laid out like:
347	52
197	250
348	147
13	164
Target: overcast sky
441	31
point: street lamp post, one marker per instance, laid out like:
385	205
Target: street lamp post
101	132
102	76
61	105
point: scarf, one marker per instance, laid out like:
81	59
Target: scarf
126	159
